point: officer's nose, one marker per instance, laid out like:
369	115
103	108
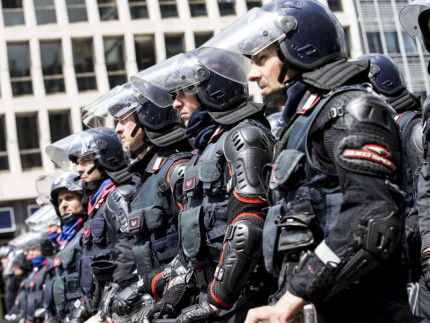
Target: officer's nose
177	105
119	128
81	169
254	74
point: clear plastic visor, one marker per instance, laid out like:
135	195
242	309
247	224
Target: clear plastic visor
27	239
65	151
177	73
45	184
118	104
249	34
156	95
409	16
45	216
228	53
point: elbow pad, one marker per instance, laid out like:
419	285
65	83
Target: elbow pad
378	234
242	248
248	149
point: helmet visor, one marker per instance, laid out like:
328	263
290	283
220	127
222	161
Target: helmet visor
249	34
177	73
65	151
46	184
409	16
117	104
156	95
42	218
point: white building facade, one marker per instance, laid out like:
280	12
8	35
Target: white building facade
56	56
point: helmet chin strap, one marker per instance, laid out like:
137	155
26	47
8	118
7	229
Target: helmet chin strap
146	142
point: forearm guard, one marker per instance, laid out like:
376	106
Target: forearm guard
241	249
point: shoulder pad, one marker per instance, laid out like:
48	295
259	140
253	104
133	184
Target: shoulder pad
248	148
117	205
417	137
367	108
177	172
126	191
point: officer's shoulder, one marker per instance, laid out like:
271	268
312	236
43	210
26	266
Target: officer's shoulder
362	106
249	133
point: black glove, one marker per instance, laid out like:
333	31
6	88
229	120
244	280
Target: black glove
125	299
82	312
149	310
425	264
197	313
109	293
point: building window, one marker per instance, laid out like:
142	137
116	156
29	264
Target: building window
32	208
59	124
52	66
107	10
45	11
392	42
145	51
83	53
197	8
28	141
19	68
168	8
138	9
335	5
13	12
226	8
374	41
115	61
7	220
253	4
76	10
201	38
4	163
174	45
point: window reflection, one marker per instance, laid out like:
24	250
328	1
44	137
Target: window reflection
28	141
52	66
45	11
13	12
19	68
84	64
115	61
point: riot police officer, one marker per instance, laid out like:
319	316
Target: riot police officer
101	163
66	193
333	231
415	20
221	224
146	209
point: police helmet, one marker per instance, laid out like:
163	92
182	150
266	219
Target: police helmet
102	144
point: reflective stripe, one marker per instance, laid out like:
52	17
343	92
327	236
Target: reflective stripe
326	255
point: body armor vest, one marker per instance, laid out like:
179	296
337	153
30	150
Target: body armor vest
203	222
152	217
303	196
98	242
65	289
35	292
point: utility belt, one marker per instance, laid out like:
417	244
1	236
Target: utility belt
97	268
289	233
65	291
202	230
155	254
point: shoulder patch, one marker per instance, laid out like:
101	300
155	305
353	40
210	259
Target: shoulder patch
133	223
189	184
56	262
86	232
368	154
374	153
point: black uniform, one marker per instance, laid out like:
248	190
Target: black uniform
334	186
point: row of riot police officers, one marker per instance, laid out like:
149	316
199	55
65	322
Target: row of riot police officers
319	216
